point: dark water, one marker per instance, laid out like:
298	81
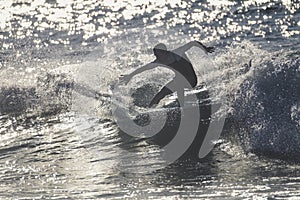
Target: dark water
60	59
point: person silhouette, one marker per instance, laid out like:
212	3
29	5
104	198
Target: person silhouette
177	61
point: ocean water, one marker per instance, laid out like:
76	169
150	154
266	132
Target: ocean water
60	61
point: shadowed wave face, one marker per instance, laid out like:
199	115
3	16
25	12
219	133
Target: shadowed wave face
267	111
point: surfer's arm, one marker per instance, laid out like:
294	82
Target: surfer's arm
126	78
194	43
144	68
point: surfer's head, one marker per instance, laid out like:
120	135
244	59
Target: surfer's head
160	51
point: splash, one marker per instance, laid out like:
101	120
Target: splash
265	111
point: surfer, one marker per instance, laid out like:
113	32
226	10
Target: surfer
178	62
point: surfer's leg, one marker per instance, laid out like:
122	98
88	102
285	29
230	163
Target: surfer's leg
161	94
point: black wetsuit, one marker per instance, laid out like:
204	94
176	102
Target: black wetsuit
180	65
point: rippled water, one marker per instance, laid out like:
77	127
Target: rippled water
60	59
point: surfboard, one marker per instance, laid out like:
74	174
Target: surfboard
173	112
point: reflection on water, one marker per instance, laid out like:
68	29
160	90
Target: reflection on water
59	144
55	162
71	22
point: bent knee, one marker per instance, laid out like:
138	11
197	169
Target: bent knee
193	82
